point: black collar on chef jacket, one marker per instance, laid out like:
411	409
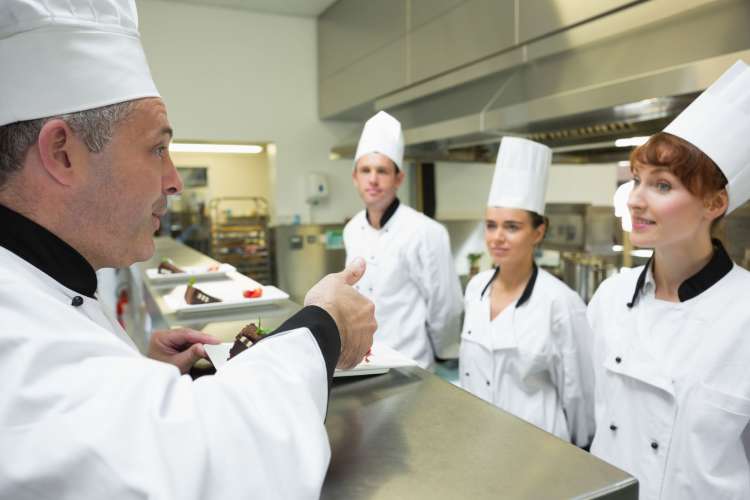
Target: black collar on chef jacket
46	252
718	267
387	214
526	291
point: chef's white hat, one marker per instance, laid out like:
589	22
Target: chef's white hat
620	202
63	56
382	134
718	123
521	172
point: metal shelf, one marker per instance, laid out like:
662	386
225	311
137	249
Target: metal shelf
243	240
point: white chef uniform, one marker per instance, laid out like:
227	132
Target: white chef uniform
533	359
82	414
410	276
672	392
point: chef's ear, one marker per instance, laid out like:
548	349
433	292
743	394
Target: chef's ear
716	204
539	232
59	148
400	175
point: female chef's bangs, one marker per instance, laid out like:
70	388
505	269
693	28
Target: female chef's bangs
697	172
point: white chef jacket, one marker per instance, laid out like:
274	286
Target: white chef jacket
672	386
412	281
534	359
83	415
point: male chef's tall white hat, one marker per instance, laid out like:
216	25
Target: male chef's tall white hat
521	173
63	56
382	134
718	123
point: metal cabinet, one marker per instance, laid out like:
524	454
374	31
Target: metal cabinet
472	30
541	17
306	253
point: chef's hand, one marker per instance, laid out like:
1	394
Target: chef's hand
353	313
181	347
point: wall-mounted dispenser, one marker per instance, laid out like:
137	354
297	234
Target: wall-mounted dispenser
316	188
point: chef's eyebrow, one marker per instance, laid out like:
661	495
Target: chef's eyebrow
503	221
641	166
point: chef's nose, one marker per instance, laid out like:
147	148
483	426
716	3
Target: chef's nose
635	199
171	181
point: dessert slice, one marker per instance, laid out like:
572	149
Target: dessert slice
249	335
194	295
168	267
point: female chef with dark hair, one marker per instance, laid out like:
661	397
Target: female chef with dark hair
525	345
672	338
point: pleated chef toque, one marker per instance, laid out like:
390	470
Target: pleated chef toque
521	172
382	134
63	56
620	201
718	123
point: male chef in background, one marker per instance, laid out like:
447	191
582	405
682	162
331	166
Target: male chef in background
84	176
410	273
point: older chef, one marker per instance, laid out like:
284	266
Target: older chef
525	345
671	338
410	272
84	175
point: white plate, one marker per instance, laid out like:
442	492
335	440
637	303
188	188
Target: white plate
382	359
229	290
196	272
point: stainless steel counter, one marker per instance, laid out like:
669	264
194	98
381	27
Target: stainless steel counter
409	434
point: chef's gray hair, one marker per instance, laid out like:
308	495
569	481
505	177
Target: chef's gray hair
94	126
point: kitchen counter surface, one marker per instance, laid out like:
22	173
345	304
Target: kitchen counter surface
410	434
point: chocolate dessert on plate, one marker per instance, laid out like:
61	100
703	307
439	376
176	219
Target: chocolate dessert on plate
195	295
167	267
249	335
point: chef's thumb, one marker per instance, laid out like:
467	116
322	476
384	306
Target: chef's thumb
354	271
187	358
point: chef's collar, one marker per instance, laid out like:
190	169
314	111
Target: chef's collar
387	214
718	267
45	251
526	291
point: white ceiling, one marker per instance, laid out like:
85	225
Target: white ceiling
304	8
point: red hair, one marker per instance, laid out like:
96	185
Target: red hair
697	172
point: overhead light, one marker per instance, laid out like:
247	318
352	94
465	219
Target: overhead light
241	149
631	141
617	248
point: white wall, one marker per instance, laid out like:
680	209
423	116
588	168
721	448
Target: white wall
594	184
462	188
232	75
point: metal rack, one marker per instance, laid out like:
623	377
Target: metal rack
241	237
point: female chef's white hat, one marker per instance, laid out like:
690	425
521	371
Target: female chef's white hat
620	201
718	123
382	134
521	172
63	56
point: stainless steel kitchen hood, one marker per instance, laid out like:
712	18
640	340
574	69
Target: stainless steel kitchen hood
578	91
